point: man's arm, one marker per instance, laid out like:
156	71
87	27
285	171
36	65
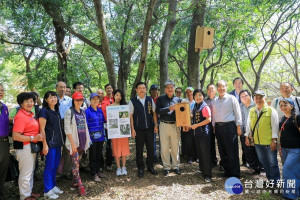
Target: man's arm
237	112
248	131
131	110
160	109
154	117
275	129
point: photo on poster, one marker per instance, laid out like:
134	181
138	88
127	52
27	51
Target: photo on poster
123	114
113	123
125	129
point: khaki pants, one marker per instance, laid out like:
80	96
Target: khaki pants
169	138
26	161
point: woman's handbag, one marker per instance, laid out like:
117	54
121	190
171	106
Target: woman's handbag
36	147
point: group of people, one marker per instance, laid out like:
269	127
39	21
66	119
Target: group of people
71	132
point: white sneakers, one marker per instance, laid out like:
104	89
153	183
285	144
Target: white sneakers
119	172
124	171
52	194
57	190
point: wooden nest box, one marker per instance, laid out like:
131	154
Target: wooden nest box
183	114
204	38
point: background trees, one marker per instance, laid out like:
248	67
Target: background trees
126	41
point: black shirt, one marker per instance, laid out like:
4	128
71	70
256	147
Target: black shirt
290	135
162	107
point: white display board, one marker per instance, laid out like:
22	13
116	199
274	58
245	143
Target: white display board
118	121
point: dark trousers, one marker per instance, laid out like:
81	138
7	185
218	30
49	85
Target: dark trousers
250	155
227	139
203	146
190	145
242	138
144	137
182	136
214	160
96	157
251	158
4	163
108	152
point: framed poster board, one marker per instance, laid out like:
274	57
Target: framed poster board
118	122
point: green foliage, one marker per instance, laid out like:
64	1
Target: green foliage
26	22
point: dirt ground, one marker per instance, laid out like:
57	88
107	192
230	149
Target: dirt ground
188	185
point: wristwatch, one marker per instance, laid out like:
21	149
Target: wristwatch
275	141
31	138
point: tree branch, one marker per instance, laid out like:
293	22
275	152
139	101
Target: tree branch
27	45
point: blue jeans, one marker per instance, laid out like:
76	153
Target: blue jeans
51	165
291	172
269	161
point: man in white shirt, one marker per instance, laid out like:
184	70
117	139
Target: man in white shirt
286	90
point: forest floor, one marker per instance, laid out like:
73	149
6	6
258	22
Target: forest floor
188	185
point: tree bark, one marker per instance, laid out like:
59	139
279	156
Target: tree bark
62	66
105	48
125	55
165	43
146	32
194	57
54	11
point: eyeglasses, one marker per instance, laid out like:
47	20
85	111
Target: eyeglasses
78	99
244	96
178	92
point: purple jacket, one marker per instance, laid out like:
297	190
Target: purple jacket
4	121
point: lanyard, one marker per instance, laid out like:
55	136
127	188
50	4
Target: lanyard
282	127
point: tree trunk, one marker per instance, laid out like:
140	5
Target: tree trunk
28	70
144	49
194	57
165	43
62	67
105	48
202	81
125	57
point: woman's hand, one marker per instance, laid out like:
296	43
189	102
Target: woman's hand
186	128
194	126
74	148
39	137
280	153
45	149
133	133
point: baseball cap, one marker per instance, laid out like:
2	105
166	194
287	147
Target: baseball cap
169	82
290	101
190	88
259	92
94	95
77	95
154	87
